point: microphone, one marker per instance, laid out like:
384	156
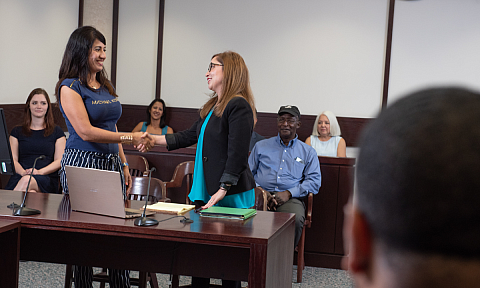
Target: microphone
143	220
22	210
186	220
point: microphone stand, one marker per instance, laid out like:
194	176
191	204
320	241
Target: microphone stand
143	220
22	210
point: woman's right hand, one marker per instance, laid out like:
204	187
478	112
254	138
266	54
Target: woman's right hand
143	141
219	195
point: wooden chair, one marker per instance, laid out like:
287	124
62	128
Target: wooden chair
138	165
102	277
301	243
158	191
184	169
261	199
261	204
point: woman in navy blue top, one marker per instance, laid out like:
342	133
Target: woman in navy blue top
37	136
91	110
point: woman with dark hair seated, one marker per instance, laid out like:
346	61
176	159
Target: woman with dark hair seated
155	123
37	136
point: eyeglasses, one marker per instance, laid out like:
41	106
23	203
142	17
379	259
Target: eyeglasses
290	121
212	65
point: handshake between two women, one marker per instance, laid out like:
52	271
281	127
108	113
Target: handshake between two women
143	142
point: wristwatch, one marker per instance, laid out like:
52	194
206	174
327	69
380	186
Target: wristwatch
225	186
124	164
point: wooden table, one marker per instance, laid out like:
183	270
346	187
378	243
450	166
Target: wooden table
324	240
252	250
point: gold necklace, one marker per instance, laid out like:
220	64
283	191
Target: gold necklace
93	86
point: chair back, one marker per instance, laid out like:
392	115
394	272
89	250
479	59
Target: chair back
138	165
260	199
140	186
183	170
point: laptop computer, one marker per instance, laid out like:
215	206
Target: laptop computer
99	192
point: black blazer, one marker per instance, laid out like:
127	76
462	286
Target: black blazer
225	147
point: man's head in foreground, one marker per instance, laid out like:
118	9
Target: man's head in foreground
415	218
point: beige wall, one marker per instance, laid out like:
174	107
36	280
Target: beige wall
33	36
99	14
318	54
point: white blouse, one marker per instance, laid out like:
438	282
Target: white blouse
325	148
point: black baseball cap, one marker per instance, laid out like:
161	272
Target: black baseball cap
290	109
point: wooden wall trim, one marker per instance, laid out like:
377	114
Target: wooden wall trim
388	52
182	118
81	6
14	115
161	17
113	70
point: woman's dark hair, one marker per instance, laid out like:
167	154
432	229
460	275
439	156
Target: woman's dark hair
164	114
27	116
75	59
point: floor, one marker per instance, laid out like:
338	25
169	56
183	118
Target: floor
39	275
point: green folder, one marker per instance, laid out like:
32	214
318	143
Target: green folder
227	212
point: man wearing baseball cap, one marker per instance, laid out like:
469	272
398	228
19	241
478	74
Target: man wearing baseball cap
286	167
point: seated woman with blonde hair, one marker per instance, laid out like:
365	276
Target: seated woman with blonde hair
325	138
155	123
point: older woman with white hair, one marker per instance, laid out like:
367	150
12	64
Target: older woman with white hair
325	138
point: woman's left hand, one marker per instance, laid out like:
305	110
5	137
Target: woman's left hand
32	171
36	172
128	178
215	198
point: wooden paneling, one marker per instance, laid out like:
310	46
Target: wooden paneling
182	118
345	190
14	115
320	237
165	163
324	240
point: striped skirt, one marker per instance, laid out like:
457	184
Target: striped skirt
83	275
88	159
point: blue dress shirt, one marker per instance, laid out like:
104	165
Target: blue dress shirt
277	167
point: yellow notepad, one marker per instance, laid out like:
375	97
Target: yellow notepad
170	208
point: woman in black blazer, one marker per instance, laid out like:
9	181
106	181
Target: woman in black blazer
221	175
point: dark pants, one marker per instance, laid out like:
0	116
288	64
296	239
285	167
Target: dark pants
198	282
297	207
83	276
